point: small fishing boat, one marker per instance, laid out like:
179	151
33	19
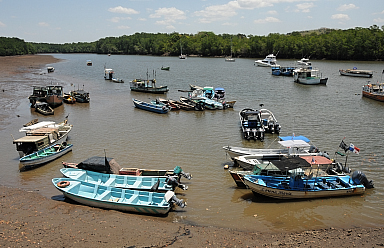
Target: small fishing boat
117	80
89	63
158	184
50	69
251	124
69	99
374	91
269	121
298	186
165	68
147	86
126	200
108	74
356	73
51	94
44	156
170	103
81	96
282	71
157	108
269	61
308	76
44	108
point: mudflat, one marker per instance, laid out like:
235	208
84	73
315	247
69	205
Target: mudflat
28	219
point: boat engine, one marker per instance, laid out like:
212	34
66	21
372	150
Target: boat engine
271	126
178	202
174	183
178	171
313	149
359	177
277	128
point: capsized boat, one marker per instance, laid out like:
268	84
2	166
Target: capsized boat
251	124
374	91
270	60
157	108
44	156
126	200
148	183
298	186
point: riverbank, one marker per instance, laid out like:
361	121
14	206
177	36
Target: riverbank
30	219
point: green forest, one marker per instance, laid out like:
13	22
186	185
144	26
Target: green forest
333	44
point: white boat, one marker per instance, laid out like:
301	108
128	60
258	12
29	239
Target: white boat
182	56
308	76
108	74
298	186
230	58
44	156
128	200
269	121
294	146
50	69
269	61
304	62
251	124
41	135
356	73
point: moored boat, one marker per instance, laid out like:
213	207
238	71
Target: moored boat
50	69
44	156
251	124
147	86
165	68
147	183
43	108
270	60
308	76
157	108
356	73
269	121
126	200
374	91
69	99
89	62
52	94
117	80
80	96
108	74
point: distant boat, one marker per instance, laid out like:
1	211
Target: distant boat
165	68
44	156
374	91
89	63
304	62
43	108
50	69
69	99
251	124
270	60
127	200
117	80
230	58
108	74
356	73
157	108
52	94
81	96
148	86
308	76
182	56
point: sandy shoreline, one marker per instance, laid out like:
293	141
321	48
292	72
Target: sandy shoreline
30	220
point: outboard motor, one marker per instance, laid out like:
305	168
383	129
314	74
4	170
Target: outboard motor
313	149
359	177
271	126
174	183
276	128
178	171
171	198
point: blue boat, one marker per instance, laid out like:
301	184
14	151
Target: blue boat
158	184
126	200
157	108
298	186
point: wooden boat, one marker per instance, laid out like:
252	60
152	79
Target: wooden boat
44	156
170	103
291	145
165	68
298	186
43	108
50	69
117	80
374	91
251	124
356	73
154	183
52	94
194	104
269	61
157	108
81	96
32	122
147	86
195	87
308	76
108	74
69	99
126	200
269	121
41	135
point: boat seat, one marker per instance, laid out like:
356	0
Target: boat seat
323	185
109	182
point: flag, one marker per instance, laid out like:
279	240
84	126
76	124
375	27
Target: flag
354	149
343	146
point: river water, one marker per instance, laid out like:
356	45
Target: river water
194	140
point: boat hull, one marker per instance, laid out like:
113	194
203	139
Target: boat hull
150	107
356	73
377	97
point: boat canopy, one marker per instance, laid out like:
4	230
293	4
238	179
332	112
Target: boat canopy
294	143
219	89
300	137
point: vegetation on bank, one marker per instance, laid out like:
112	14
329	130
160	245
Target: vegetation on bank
351	44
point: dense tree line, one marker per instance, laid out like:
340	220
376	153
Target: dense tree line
351	44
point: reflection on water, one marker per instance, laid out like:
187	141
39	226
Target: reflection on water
194	140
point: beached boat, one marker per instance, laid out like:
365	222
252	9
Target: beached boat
374	91
147	86
291	145
43	108
52	94
81	96
269	121
270	60
41	135
154	183
165	68
356	73
44	156
157	108
117	80
50	69
308	76
108	74
126	200
298	186
251	124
